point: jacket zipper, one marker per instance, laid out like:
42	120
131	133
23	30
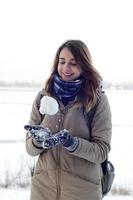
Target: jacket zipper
59	164
58	174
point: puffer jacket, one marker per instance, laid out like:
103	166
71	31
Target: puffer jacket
63	175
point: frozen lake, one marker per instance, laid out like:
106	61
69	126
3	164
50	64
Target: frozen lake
15	107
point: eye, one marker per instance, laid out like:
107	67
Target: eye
61	62
73	63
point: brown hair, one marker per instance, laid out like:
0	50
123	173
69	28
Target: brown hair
91	77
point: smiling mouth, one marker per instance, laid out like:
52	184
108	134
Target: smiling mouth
67	74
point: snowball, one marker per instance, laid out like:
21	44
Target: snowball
48	106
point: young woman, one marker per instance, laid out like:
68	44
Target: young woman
71	170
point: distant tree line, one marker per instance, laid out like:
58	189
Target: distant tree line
118	86
33	84
19	84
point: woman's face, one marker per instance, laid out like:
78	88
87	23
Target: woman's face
68	68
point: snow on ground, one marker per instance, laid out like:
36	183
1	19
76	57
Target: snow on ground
24	194
14	194
15	109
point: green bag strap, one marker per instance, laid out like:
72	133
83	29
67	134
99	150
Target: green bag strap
107	166
89	118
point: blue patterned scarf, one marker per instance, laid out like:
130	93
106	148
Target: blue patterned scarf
66	91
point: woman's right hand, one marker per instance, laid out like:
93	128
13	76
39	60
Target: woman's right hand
39	135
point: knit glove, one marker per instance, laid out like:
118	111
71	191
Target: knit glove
39	135
43	137
63	138
67	140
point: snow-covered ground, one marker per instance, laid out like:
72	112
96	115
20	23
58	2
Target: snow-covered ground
24	194
15	106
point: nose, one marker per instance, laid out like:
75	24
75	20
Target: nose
67	67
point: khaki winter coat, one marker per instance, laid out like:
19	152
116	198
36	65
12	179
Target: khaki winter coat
61	175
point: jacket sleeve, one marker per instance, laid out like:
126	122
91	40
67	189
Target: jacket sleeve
35	119
96	150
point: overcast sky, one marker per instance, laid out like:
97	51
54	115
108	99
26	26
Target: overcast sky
32	30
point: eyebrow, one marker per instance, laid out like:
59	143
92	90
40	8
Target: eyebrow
64	59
